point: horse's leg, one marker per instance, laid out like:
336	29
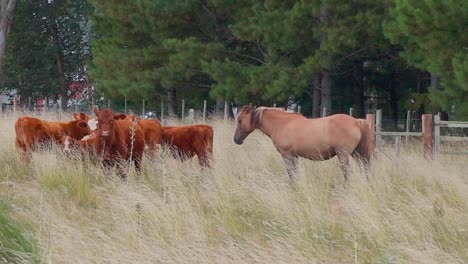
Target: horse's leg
291	166
364	164
343	158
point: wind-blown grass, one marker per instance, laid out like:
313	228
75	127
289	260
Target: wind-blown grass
15	245
243	210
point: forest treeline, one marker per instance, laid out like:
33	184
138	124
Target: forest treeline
396	55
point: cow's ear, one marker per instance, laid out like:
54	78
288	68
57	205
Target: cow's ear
120	116
82	124
77	116
96	110
83	116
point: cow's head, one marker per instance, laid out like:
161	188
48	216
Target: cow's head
78	129
81	116
106	121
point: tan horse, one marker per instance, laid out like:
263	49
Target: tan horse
295	136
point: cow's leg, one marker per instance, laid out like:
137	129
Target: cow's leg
204	159
137	162
291	162
152	149
23	152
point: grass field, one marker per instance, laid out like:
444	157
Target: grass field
242	211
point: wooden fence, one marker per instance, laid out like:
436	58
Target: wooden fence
431	137
430	124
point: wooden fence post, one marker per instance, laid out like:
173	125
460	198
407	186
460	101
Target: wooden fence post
436	136
324	112
397	146
143	109
183	110
15	103
370	121
299	109
427	131
29	103
351	111
225	110
125	105
378	129
274	105
109	103
191	116
408	123
162	110
60	104
204	111
76	106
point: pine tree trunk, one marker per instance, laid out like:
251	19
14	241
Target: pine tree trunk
326	91
64	90
421	89
326	79
316	94
358	78
392	89
172	102
219	110
435	81
6	16
435	84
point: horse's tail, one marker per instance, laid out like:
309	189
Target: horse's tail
366	145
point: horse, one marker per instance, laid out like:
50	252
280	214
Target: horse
318	139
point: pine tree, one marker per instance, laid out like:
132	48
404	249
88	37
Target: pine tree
433	35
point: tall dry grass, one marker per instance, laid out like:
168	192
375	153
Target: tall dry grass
242	211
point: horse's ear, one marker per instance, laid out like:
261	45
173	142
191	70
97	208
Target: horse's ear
120	116
96	110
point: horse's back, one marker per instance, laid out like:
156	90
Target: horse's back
320	138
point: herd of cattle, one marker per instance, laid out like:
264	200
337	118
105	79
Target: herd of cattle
112	137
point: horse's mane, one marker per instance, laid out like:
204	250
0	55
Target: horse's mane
256	114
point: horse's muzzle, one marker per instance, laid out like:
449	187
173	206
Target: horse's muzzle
239	140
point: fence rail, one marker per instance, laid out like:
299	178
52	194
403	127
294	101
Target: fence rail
452	124
402	134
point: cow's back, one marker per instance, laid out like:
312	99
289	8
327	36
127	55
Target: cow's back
202	136
131	140
189	141
151	129
29	131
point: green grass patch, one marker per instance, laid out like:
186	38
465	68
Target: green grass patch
15	245
73	184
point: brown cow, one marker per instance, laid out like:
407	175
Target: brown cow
152	131
31	132
188	141
118	138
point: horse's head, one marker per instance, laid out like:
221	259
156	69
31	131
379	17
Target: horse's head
245	124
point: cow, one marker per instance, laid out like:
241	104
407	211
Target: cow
92	123
188	141
118	138
152	131
32	132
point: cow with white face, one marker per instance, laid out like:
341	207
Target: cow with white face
92	124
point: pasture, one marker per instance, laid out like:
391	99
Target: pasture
242	210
